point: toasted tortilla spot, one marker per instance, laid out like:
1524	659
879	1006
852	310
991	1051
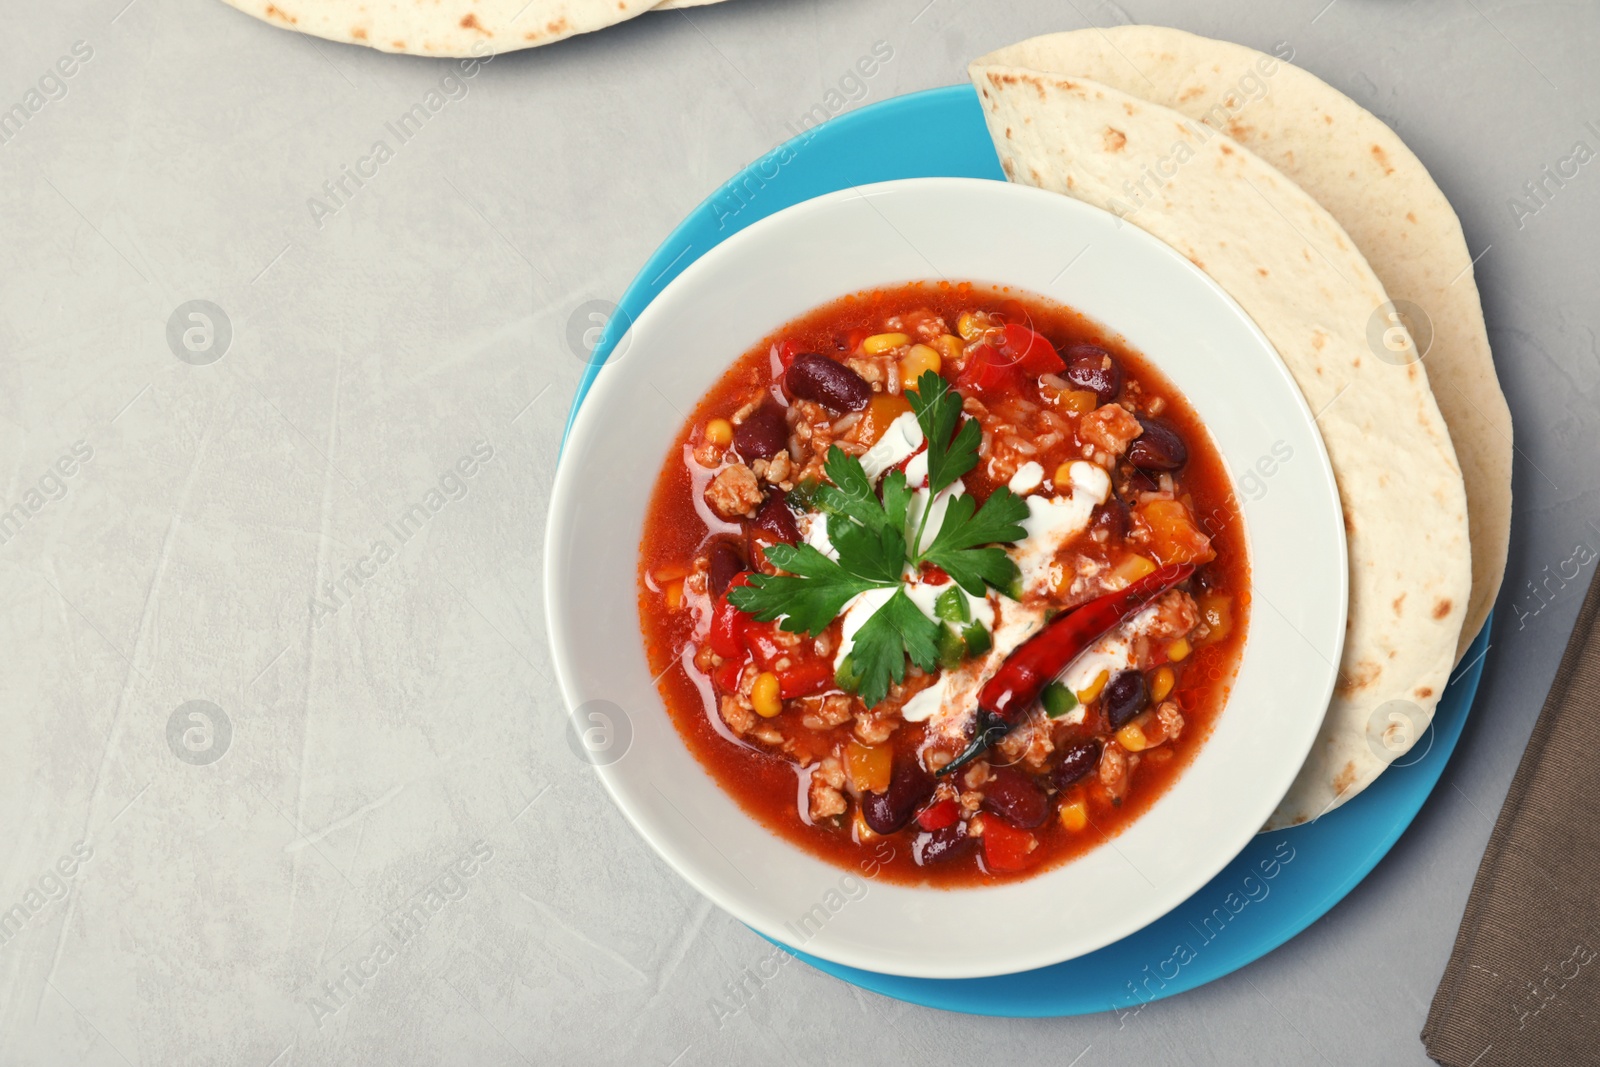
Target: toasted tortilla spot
1442	608
275	12
359	33
1362	675
1399	603
1114	139
1345	778
1411	216
1424	691
1261	271
400	45
1383	159
557	26
1227	150
1191	92
1008	133
1327	118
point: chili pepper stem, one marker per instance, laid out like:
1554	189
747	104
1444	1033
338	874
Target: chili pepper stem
991	728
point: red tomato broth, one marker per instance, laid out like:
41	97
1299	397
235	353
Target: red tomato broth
766	785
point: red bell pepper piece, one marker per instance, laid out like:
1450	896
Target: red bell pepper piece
728	623
727	676
1025	673
805	678
1030	350
985	369
940	815
1006	848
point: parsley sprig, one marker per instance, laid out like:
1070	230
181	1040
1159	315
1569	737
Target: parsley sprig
869	531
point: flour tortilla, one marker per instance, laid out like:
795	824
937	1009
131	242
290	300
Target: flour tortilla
1372	184
449	27
1300	277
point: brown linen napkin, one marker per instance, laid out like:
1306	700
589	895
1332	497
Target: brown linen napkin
1523	983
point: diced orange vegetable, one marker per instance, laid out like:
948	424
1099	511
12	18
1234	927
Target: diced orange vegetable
674	592
1217	611
1175	536
1128	570
950	347
869	766
1006	848
883	409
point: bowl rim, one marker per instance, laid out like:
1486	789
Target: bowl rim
594	388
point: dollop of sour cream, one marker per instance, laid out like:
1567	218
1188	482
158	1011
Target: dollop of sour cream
1054	521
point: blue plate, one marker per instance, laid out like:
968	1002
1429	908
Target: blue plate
1283	881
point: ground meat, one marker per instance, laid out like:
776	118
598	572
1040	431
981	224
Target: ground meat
875	729
827	789
824	713
775	471
1170	718
738	714
923	325
1109	429
1028	743
1176	614
734	492
1114	771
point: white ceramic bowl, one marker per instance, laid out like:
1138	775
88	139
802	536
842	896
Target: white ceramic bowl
982	231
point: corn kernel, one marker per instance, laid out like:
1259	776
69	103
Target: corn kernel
764	695
1161	683
674	593
879	343
919	360
1132	738
970	327
1091	692
1078	401
950	347
1074	815
1178	650
719	432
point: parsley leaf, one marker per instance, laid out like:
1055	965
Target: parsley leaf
965	527
811	595
938	410
895	630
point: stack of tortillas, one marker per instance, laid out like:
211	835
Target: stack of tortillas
459	28
1330	233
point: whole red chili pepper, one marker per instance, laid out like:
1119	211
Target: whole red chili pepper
1025	673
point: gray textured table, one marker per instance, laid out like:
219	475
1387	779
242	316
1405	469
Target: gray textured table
220	883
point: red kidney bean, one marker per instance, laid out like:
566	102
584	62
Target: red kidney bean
939	846
763	434
1158	448
909	789
820	379
1112	517
1014	795
776	520
1077	760
1124	697
1092	367
725	564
